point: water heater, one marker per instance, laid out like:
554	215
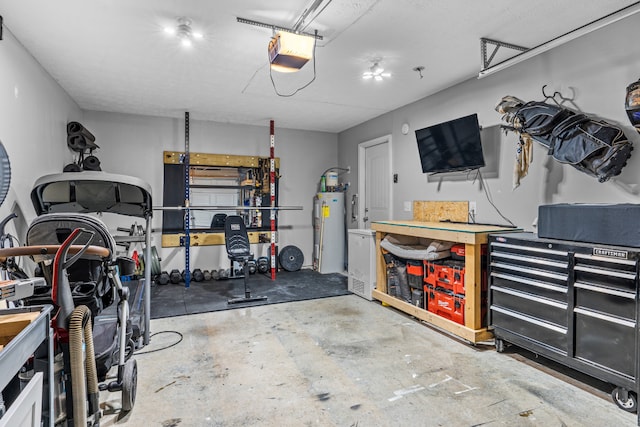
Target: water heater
329	231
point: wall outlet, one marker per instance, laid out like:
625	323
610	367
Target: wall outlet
472	211
407	206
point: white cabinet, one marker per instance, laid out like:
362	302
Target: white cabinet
362	262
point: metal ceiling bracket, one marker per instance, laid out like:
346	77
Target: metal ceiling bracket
276	27
486	62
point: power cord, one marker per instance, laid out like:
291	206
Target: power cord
181	337
487	193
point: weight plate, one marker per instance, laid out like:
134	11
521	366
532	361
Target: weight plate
5	173
291	258
156	267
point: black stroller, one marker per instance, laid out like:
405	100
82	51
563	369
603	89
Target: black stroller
91	278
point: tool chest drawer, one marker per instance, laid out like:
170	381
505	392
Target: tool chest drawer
545	309
539	333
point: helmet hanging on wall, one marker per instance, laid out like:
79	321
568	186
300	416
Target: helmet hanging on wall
632	104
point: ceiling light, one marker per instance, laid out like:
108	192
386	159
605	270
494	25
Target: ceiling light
184	32
376	72
288	52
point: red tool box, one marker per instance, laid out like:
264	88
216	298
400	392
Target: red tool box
449	274
445	303
450	305
445	274
458	252
431	269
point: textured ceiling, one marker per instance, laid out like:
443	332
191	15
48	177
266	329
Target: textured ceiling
112	55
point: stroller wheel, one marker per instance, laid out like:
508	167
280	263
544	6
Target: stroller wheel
129	384
129	349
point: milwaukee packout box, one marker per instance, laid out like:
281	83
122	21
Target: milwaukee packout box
458	252
445	303
446	274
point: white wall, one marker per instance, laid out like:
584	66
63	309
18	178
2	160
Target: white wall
133	145
34	111
598	67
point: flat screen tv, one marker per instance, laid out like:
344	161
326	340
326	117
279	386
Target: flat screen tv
451	146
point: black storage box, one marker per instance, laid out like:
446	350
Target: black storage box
617	224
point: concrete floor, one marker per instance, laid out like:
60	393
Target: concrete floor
341	361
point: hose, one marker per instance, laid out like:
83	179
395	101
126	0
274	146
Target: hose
79	328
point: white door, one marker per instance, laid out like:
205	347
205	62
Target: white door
374	183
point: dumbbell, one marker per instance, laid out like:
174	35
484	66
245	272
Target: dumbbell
175	276
251	264
215	275
263	264
163	278
198	275
223	274
207	275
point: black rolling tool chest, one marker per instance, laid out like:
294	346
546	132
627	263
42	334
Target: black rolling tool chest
575	303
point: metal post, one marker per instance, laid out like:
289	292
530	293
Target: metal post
272	193
187	212
147	281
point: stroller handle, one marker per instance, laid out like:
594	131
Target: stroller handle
51	250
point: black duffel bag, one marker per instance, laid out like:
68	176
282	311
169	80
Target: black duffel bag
594	147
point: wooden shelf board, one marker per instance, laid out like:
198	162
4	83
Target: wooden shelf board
206	239
454	232
206	159
474	336
12	324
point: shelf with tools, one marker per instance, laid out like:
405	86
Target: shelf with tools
473	236
219	185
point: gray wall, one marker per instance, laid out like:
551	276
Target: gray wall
133	145
596	67
34	111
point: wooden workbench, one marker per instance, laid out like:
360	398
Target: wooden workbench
473	236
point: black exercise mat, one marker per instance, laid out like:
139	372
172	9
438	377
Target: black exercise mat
176	300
